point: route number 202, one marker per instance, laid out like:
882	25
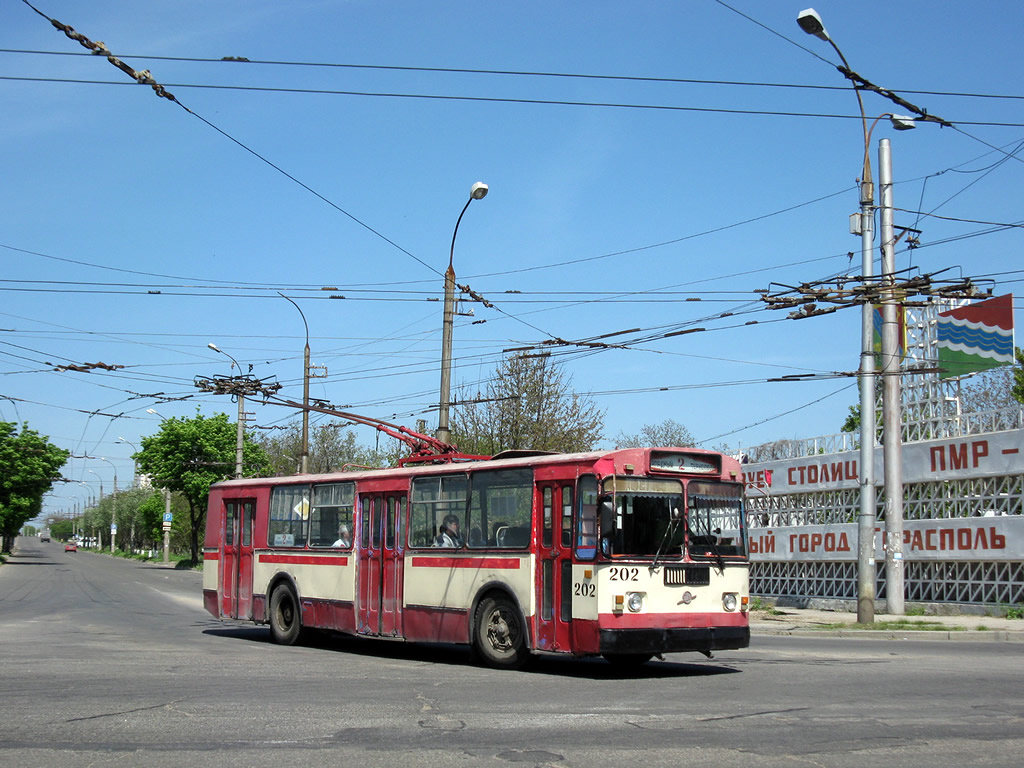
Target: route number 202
623	574
584	589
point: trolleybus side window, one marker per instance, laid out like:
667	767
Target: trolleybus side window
501	508
330	519
566	515
434	499
289	516
586	523
548	517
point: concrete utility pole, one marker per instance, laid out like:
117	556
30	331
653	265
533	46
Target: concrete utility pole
892	422
477	192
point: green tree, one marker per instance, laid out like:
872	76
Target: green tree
330	449
1017	391
29	466
852	423
528	404
188	455
667	434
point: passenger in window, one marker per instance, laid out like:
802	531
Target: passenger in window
343	537
476	538
448	535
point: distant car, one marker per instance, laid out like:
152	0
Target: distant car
44	537
71	547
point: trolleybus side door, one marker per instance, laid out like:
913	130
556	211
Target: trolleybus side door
236	559
391	566
368	576
554	566
380	564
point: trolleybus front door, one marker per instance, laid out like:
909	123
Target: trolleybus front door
380	565
236	560
554	567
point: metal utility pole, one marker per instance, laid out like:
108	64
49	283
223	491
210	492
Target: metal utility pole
240	396
866	381
477	192
892	423
167	528
304	468
811	23
238	387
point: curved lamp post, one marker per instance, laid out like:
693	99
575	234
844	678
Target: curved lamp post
240	439
811	23
167	502
477	192
305	389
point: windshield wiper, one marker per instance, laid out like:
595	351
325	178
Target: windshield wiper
669	533
712	541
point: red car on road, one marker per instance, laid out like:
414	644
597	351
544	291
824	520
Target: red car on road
70	547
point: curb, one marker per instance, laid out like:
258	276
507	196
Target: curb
964	635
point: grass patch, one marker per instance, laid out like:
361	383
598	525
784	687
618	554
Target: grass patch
1015	612
898	625
757	604
915	610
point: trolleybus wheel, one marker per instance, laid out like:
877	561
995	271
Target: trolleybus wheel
627	660
284	616
500	638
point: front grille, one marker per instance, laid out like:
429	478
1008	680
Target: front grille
687	575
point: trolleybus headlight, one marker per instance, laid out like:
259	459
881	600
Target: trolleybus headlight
635	601
729	601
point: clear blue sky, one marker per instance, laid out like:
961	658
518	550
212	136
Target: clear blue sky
134	233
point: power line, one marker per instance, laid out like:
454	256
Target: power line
235	61
448	97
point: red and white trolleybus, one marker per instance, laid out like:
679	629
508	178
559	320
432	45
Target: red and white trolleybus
624	553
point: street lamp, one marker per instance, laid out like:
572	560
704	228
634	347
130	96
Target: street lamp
305	389
477	192
135	472
113	506
239	441
167	502
810	22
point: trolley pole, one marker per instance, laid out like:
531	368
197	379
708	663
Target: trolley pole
892	440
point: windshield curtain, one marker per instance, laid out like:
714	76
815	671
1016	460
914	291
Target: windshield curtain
715	519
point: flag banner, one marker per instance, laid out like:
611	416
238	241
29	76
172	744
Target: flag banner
901	334
976	337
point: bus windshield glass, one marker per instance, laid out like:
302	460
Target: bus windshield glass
645	519
715	519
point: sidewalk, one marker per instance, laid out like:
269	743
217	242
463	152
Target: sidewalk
811	622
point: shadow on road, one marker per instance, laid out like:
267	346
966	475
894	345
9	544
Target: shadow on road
458	655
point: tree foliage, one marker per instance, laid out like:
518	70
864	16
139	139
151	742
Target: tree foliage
667	434
188	455
996	388
528	404
330	449
29	466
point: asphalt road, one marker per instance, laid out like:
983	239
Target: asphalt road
107	662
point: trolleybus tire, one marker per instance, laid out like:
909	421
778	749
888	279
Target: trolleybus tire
627	660
285	623
500	634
